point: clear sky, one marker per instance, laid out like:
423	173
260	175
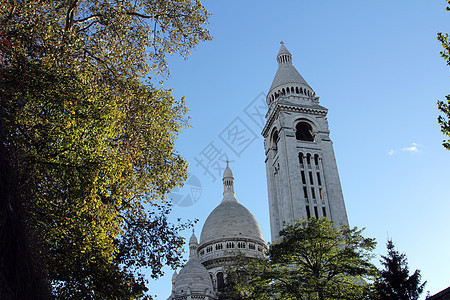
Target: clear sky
376	66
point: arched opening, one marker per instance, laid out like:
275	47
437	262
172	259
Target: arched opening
275	140
304	132
297	90
220	282
212	279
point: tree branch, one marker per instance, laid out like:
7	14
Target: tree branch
70	15
87	18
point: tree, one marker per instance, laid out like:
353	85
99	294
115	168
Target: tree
313	259
394	281
444	120
89	141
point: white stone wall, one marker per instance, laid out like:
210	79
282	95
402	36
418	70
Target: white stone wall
287	202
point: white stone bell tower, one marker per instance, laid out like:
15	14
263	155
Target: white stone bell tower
302	175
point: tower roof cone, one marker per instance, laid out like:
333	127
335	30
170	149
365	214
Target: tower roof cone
286	73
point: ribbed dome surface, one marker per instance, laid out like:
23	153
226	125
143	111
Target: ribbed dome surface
287	74
283	50
228	173
230	220
193	239
195	276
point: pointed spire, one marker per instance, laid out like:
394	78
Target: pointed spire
193	245
284	56
287	80
228	184
174	276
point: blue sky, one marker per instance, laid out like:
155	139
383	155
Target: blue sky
376	66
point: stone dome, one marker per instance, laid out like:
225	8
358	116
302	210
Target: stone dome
193	279
230	220
193	239
228	173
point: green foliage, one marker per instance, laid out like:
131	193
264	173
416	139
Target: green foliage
394	281
92	139
444	120
313	259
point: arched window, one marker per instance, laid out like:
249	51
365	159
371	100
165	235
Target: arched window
275	140
304	132
212	279
220	281
316	159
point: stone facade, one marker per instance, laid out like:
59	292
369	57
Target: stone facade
194	281
229	230
302	175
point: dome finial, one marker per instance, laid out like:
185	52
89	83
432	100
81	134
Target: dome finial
228	184
193	245
282	43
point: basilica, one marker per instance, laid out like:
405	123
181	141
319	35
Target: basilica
302	182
